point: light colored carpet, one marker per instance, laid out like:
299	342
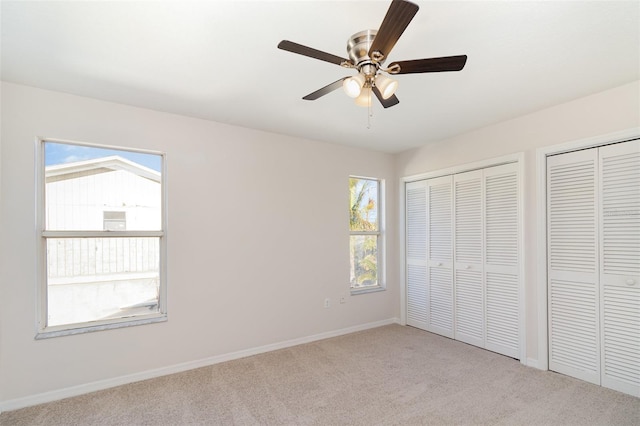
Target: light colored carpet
391	375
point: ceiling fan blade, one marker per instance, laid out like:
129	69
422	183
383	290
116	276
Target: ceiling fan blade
326	89
391	101
447	63
398	17
310	52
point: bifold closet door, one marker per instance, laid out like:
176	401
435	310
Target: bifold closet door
429	263
502	259
619	171
572	251
416	254
593	223
440	256
463	257
486	259
468	257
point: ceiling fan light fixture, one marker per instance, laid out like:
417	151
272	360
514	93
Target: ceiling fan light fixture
364	99
386	85
353	85
367	51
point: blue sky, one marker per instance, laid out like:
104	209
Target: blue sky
61	153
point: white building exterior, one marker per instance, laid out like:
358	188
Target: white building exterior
101	277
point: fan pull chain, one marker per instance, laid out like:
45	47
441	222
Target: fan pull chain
369	111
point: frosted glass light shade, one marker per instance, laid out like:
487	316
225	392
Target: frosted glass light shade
353	85
386	85
364	100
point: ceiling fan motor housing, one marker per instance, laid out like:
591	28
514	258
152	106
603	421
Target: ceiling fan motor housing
358	47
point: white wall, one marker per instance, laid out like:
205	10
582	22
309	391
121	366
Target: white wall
257	234
247	267
603	113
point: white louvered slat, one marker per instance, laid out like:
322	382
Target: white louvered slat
620	265
416	199
468	258
440	301
620	171
573	329
502	318
417	296
621	339
502	217
439	255
416	254
571	221
468	217
469	307
573	293
502	261
440	221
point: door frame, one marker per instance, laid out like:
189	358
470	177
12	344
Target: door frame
541	226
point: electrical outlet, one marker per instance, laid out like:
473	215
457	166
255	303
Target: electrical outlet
327	302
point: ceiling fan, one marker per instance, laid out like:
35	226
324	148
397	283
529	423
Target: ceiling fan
367	51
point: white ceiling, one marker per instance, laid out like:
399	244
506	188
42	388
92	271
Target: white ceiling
218	60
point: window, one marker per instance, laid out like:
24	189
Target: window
365	245
114	221
102	230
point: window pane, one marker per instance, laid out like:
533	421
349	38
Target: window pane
363	205
90	279
363	253
95	189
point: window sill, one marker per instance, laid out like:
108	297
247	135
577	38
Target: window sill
365	290
60	331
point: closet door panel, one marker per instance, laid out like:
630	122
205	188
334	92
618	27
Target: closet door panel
502	263
620	265
468	258
416	254
439	256
573	293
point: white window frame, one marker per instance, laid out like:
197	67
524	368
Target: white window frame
381	269
43	331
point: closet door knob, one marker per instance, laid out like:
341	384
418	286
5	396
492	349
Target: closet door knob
467	267
631	281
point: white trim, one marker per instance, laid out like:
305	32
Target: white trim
367	289
42	330
541	207
402	249
533	363
88	327
102	234
522	309
381	239
482	164
14	404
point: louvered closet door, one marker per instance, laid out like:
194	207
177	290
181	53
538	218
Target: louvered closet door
416	253
502	262
439	256
620	265
468	258
573	294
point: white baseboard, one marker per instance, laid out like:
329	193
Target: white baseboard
532	362
14	404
